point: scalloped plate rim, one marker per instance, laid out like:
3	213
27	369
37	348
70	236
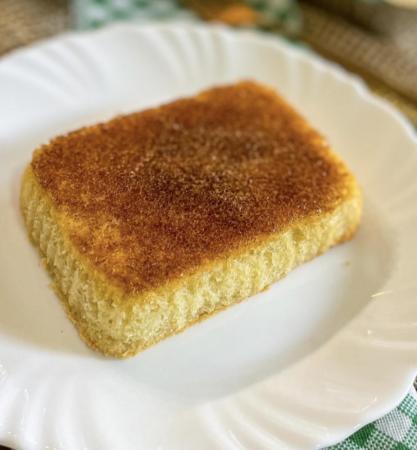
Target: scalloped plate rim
392	397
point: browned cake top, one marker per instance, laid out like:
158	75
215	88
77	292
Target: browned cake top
152	195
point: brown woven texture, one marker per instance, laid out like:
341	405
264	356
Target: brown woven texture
384	54
378	43
26	21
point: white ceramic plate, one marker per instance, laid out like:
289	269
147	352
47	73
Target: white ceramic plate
303	365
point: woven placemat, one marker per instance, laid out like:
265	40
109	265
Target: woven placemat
387	62
25	21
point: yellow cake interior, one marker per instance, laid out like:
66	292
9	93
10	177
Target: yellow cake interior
120	325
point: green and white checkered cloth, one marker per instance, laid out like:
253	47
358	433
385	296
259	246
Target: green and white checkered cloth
398	429
395	431
94	13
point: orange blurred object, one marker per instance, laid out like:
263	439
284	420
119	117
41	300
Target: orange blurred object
231	12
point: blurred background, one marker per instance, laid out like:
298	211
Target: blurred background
376	39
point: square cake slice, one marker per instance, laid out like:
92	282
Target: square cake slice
155	220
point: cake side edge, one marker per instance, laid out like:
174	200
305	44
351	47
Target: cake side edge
123	327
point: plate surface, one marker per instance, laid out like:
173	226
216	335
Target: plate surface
302	365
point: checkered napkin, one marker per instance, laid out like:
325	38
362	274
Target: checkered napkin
398	429
370	37
395	431
282	14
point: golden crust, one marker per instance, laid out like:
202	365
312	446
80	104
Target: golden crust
121	326
149	197
156	220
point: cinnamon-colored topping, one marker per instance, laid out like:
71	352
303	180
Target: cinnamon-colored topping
149	196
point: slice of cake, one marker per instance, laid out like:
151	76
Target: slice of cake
157	219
